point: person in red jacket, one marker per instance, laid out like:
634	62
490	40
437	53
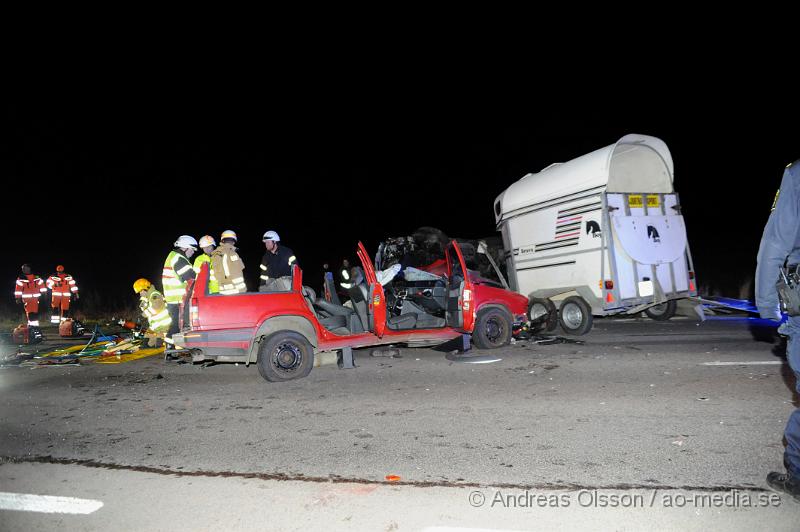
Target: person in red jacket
28	290
62	289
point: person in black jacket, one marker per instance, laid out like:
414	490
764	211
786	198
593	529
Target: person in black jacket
277	261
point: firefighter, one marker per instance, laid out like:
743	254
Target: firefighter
277	261
207	244
227	266
177	272
154	308
780	243
28	290
62	289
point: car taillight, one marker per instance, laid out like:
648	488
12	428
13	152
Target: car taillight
194	314
467	297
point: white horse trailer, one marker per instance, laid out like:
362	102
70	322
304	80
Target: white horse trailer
598	235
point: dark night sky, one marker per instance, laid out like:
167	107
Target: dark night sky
106	185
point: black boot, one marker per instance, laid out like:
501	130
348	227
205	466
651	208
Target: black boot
785	483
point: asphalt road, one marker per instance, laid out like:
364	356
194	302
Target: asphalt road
657	410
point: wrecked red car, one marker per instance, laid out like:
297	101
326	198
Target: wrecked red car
281	331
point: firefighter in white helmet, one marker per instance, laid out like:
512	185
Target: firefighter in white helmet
207	244
277	261
228	266
177	272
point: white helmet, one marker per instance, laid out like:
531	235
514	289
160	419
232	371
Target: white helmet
186	241
206	241
228	234
271	235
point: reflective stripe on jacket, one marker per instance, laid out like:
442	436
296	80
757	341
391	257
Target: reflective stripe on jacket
62	285
177	271
158	320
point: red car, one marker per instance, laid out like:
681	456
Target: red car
281	331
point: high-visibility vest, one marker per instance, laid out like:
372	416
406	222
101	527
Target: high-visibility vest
213	285
62	285
174	267
158	321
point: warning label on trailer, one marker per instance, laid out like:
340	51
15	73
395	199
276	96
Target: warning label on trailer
636	201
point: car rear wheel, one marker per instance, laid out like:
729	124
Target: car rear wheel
575	315
662	312
492	328
543	315
285	356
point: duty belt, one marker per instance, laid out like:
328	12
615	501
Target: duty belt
789	289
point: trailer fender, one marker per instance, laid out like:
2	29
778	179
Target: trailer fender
297	324
557	295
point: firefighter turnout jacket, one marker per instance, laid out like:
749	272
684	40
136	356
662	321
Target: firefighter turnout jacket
278	264
228	269
213	285
177	272
154	308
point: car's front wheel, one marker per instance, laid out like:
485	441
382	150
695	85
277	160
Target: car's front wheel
285	356
492	328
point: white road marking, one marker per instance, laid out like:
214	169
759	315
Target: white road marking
460	529
751	363
48	504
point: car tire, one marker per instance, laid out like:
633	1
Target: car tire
662	312
575	316
285	356
492	328
537	309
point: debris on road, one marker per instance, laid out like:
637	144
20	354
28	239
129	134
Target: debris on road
386	352
472	359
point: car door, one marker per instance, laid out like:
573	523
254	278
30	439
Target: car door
376	301
460	291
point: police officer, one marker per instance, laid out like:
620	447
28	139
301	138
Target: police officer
277	261
780	244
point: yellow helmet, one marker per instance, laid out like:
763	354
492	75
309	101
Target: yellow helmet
228	234
141	284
